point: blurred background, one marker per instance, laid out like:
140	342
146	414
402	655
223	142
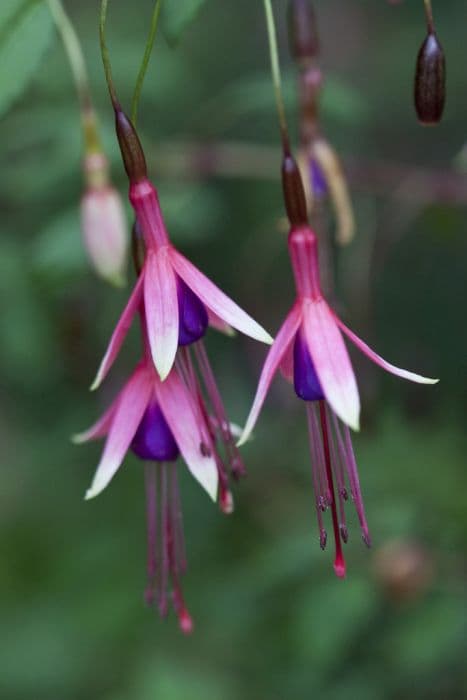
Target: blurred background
272	621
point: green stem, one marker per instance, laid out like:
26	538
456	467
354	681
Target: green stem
429	16
105	55
276	74
74	51
145	61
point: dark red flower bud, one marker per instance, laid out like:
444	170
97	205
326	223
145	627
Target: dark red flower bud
130	147
430	80
294	194
303	31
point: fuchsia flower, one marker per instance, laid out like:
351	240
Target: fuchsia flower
310	350
171	405
179	300
159	421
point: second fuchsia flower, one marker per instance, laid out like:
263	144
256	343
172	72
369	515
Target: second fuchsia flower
310	351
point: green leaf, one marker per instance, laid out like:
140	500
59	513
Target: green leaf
25	34
177	15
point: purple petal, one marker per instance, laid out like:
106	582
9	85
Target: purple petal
154	440
193	317
306	382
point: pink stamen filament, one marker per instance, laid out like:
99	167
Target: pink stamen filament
208	447
324	492
338	472
235	461
347	457
314	474
339	562
165	535
166	545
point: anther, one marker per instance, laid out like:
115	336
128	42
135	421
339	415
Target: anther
205	449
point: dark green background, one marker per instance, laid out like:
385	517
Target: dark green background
272	621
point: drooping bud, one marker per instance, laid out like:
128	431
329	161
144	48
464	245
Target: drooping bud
294	193
130	147
303	32
430	81
103	221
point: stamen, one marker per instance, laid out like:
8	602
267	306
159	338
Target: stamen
177	520
323	492
315	467
348	458
165	537
176	553
337	470
339	563
236	463
208	424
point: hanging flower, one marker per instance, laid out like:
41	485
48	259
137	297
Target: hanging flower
160	421
180	301
310	351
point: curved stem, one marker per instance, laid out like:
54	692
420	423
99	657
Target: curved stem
429	16
276	74
145	61
73	49
105	55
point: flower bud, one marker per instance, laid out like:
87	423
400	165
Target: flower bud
130	147
103	222
303	32
294	194
430	79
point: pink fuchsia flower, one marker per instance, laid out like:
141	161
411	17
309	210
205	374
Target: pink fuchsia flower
158	421
103	222
180	302
310	351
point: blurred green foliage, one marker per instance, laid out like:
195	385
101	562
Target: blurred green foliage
271	620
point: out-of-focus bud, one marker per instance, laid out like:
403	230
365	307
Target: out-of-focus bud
430	81
405	569
303	31
294	194
103	222
330	170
